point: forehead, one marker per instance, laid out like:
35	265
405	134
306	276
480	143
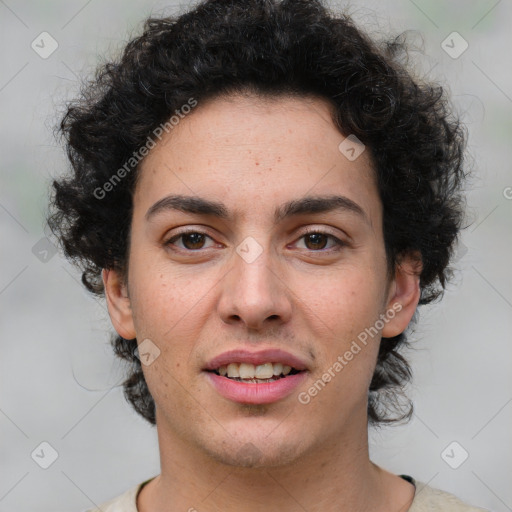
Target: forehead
266	149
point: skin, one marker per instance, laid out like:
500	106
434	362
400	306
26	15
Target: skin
302	294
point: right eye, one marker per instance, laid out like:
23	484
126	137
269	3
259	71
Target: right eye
191	240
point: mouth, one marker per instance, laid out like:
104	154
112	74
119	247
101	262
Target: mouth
255	374
260	377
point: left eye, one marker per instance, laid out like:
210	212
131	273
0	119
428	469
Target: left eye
318	240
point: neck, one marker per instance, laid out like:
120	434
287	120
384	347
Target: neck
336	475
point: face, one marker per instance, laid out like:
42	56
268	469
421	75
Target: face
280	259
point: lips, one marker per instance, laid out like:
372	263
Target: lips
259	377
261	372
256	358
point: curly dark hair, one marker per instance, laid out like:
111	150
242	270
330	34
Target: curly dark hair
270	47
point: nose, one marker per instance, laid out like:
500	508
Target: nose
254	293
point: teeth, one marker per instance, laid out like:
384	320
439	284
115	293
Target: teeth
246	371
264	371
278	369
233	370
250	372
256	381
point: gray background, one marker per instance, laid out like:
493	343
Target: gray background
58	376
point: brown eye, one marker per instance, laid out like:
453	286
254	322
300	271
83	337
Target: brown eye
318	241
193	240
190	241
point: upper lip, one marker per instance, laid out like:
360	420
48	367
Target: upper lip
256	358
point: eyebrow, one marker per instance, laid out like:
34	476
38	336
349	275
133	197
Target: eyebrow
306	205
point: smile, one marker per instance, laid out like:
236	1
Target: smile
262	377
255	374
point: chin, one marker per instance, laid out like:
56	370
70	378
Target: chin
251	457
257	451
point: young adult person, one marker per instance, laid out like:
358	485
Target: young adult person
264	195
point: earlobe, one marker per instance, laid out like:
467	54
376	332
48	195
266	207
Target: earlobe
118	303
404	294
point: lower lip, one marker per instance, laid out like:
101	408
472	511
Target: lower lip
256	393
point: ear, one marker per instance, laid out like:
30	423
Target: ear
404	294
118	303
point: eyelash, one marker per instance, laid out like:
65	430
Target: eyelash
338	243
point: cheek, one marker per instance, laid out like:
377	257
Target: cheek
153	302
170	308
167	311
345	302
345	306
161	298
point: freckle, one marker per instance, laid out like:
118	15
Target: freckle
177	365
